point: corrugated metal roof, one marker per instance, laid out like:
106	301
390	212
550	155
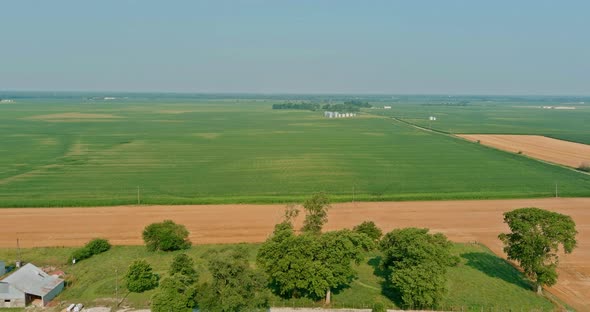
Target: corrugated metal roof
8	291
32	280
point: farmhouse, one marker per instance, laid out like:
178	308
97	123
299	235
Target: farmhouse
29	285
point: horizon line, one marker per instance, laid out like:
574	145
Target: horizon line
297	93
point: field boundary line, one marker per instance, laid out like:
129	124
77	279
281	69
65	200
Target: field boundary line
488	146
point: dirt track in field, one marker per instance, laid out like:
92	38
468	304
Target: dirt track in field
552	150
461	221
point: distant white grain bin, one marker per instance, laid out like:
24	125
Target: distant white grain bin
386	107
432	118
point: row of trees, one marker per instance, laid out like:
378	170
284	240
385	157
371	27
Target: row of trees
302	106
358	103
346	107
311	263
234	285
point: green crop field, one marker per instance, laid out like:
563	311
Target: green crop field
178	150
497	116
481	281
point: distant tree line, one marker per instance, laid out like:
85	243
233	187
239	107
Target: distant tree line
300	106
461	103
349	106
357	103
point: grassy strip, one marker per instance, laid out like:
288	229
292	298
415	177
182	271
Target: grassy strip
30	203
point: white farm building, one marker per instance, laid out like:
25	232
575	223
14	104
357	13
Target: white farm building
29	285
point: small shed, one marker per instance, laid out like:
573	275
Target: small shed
30	284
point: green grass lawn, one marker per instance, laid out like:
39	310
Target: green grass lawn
481	280
67	152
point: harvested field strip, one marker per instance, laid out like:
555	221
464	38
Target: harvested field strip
461	221
548	149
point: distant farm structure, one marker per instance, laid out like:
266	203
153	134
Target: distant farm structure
559	107
338	115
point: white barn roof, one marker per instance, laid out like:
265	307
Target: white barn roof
32	280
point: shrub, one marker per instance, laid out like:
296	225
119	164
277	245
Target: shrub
166	236
81	254
584	167
93	247
378	307
98	245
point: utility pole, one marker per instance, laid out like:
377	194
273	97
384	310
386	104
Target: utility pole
19	261
353	193
138	200
556	190
117	285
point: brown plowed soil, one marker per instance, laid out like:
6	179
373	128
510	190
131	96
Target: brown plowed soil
552	150
461	221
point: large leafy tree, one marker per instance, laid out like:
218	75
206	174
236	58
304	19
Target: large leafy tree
417	262
316	209
175	294
179	291
235	286
310	265
140	277
166	236
534	240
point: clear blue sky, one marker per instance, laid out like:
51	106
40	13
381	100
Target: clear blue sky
298	46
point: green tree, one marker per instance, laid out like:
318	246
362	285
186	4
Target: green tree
184	265
417	262
166	236
234	286
316	209
534	240
310	265
370	229
175	294
140	277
